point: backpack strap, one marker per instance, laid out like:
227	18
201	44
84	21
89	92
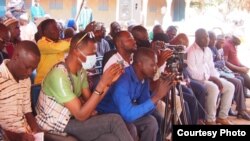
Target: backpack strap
69	74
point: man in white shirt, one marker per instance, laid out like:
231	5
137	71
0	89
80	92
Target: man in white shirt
201	67
27	29
125	46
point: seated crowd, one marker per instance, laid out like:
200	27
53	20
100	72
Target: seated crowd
128	101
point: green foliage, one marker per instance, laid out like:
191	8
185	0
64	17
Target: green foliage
196	5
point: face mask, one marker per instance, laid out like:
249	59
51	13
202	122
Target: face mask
90	61
143	43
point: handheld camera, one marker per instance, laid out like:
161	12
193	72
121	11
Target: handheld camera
175	64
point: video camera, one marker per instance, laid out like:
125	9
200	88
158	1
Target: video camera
175	64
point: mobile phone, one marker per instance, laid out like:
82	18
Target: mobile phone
121	62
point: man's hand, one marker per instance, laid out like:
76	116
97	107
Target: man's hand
94	113
165	83
162	53
12	136
112	74
217	82
90	27
157	46
244	70
32	123
164	56
27	137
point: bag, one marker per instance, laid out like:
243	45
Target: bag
226	74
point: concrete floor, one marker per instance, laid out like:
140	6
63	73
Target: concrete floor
237	121
234	119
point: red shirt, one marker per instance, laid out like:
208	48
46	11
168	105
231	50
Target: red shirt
10	49
231	52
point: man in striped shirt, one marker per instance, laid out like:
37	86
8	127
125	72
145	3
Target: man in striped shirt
16	117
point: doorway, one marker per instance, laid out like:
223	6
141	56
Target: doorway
129	10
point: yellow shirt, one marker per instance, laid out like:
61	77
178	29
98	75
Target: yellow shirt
51	53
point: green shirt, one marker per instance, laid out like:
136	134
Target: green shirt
57	84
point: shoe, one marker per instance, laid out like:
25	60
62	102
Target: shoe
243	115
201	122
247	92
248	112
247	95
210	123
232	112
223	121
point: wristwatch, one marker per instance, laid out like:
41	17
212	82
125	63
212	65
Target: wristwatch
97	92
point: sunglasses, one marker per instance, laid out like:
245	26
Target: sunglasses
90	35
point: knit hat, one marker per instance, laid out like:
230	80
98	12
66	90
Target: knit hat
71	23
24	16
9	21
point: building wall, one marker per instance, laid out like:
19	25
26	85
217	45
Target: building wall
103	10
154	11
64	11
58	9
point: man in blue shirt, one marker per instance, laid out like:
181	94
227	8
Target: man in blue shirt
130	96
85	16
36	10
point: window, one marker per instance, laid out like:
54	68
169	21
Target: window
27	4
56	4
103	5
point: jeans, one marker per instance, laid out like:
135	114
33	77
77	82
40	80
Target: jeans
239	95
146	128
246	80
106	127
200	93
159	120
189	97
